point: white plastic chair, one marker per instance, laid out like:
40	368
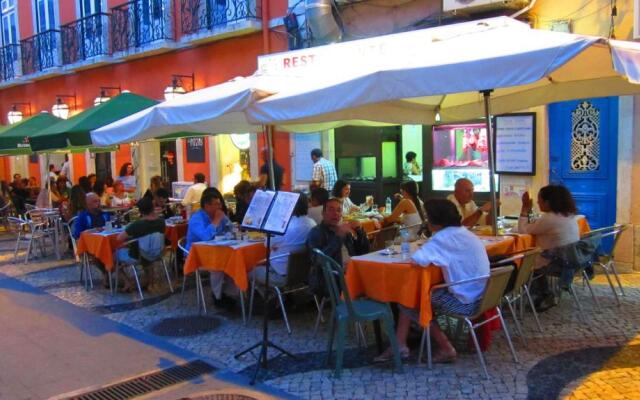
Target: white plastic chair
26	232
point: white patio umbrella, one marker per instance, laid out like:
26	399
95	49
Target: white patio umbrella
215	109
455	73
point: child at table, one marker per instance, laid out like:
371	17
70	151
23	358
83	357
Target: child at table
461	256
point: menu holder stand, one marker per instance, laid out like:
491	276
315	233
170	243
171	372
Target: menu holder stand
269	213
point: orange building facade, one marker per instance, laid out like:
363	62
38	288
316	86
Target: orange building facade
76	47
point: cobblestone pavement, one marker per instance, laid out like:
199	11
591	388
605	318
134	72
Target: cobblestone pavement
569	359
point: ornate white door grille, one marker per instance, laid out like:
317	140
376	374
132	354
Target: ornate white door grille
585	138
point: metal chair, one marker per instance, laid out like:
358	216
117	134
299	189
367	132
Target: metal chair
382	236
26	231
68	227
5	212
521	285
298	265
198	279
494	290
606	260
160	258
344	311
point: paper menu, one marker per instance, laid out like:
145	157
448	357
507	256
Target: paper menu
258	209
281	212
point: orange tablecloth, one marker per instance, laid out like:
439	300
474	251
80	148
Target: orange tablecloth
368	225
409	285
235	262
583	226
101	246
174	233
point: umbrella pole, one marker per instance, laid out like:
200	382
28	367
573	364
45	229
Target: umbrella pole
269	131
492	183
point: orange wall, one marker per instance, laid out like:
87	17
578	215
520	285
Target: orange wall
79	166
191	168
34	170
281	143
123	155
5	171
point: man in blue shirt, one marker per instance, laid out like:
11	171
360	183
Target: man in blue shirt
91	217
205	224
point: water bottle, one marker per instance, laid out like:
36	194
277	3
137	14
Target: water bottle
387	206
405	247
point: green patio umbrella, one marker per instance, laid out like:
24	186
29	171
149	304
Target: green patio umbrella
74	132
15	139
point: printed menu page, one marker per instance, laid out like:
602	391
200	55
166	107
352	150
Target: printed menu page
257	211
281	212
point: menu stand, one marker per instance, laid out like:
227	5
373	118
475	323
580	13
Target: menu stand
269	213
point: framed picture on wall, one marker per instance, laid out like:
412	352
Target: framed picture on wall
195	150
515	143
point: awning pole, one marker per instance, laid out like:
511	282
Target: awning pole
269	130
492	183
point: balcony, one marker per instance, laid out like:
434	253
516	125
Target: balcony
86	41
10	65
141	27
41	54
207	20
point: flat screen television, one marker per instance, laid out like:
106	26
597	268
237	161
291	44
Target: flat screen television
460	151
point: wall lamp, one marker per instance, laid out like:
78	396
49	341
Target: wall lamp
15	115
104	91
176	89
61	109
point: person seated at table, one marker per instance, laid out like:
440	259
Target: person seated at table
556	227
91	217
338	240
93	178
409	211
341	191
194	192
243	193
461	255
319	196
119	198
411	166
100	188
59	192
155	183
161	203
127	177
148	224
205	224
292	241
85	184
77	202
462	197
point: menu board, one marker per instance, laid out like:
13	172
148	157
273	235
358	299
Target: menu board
270	211
515	144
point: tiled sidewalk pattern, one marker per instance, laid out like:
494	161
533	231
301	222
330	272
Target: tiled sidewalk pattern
612	328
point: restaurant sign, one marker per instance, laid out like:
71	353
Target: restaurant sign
195	150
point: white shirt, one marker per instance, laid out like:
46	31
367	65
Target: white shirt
461	255
347	205
293	240
120	202
466	210
194	193
66	170
551	230
315	213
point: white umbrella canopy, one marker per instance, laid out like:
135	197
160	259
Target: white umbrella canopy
215	109
445	71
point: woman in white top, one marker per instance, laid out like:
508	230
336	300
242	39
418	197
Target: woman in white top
341	190
127	177
409	210
557	226
461	255
119	197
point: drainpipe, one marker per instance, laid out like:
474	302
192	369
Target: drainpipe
524	10
266	41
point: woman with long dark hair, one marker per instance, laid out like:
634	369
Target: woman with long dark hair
341	191
409	211
127	178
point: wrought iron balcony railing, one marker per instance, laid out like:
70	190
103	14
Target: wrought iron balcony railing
139	23
205	15
40	52
85	38
10	63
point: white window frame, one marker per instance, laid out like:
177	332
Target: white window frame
56	15
79	3
7	11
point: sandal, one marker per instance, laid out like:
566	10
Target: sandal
387	355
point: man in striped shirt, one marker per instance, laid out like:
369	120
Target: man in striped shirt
324	172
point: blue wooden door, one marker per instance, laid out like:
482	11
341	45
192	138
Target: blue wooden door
583	147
